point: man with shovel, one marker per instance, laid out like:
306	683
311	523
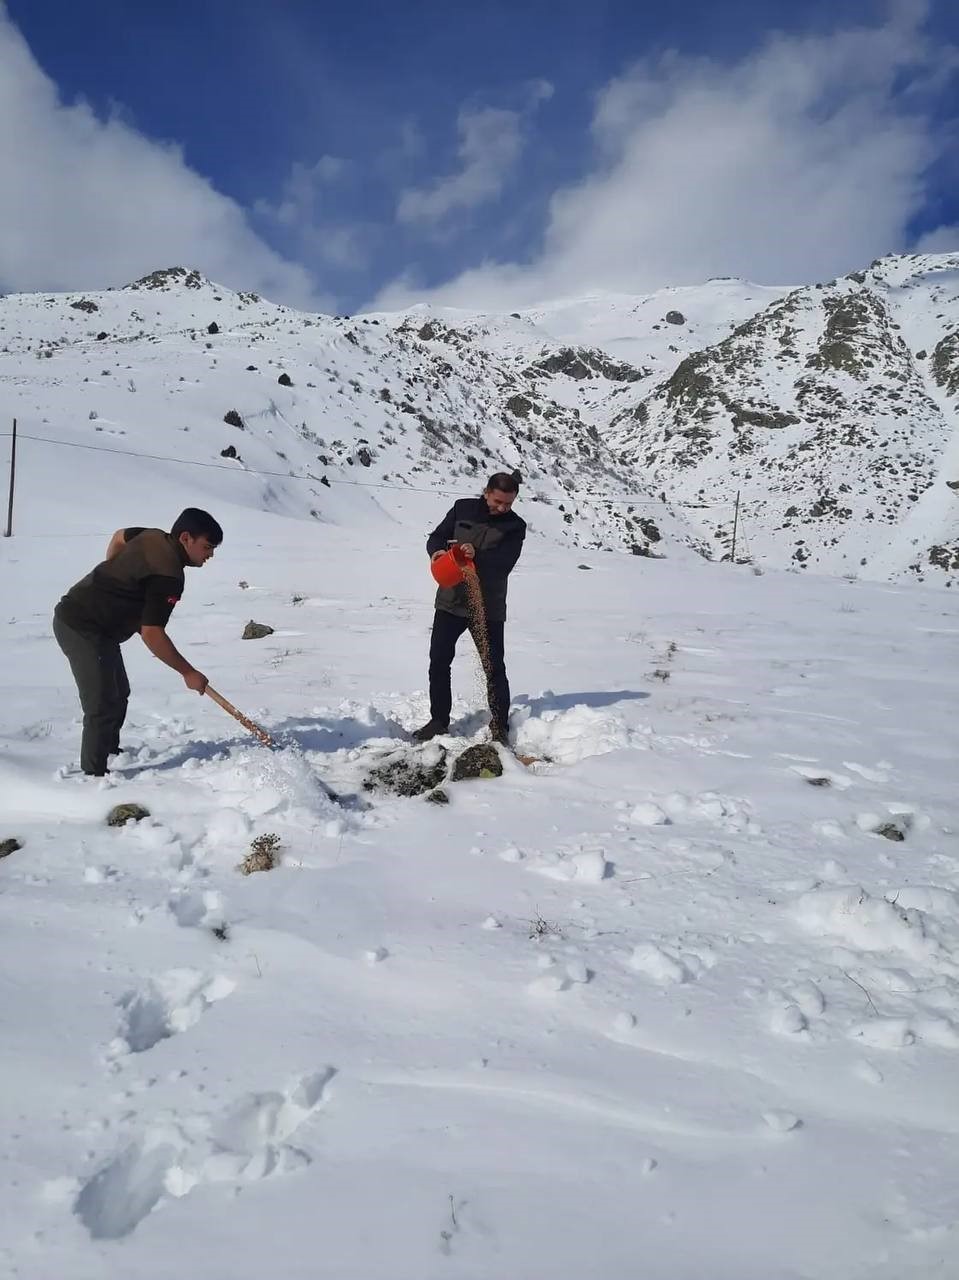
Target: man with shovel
489	535
134	589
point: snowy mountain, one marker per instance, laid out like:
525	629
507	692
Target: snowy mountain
832	409
679	999
836	411
311	416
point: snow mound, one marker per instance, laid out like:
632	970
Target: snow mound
248	788
866	923
584	863
658	964
567	737
647	814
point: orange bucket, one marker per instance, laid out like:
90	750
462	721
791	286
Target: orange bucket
448	568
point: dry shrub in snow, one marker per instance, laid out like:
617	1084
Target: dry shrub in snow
263	855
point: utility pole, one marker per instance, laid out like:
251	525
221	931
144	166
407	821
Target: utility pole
732	554
13	476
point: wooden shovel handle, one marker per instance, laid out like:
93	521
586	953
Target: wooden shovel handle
245	721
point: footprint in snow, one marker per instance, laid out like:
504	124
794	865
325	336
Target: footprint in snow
164	1006
792	1010
782	1121
197	908
245	1143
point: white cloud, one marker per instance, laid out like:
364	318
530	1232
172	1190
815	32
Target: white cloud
540	91
300	196
90	202
491	141
329	168
799	162
941	240
300	213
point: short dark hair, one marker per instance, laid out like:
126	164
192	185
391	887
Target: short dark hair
198	524
505	481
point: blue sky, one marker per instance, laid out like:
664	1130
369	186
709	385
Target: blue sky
479	153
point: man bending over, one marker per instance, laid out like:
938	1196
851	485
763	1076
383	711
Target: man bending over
134	589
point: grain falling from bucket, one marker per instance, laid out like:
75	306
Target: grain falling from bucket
476	609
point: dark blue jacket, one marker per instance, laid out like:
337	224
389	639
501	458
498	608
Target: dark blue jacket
498	541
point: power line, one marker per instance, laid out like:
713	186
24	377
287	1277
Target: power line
216	466
645	501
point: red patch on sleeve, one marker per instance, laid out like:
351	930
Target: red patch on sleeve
173	599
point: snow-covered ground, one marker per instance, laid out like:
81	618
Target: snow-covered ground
665	1006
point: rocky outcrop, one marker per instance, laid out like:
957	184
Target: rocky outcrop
583	362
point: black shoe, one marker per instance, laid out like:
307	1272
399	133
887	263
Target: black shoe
428	731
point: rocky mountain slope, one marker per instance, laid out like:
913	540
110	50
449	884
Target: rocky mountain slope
831	409
836	411
311	416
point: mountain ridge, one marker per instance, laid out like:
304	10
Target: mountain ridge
830	408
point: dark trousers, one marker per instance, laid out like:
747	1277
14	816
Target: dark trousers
104	689
447	629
